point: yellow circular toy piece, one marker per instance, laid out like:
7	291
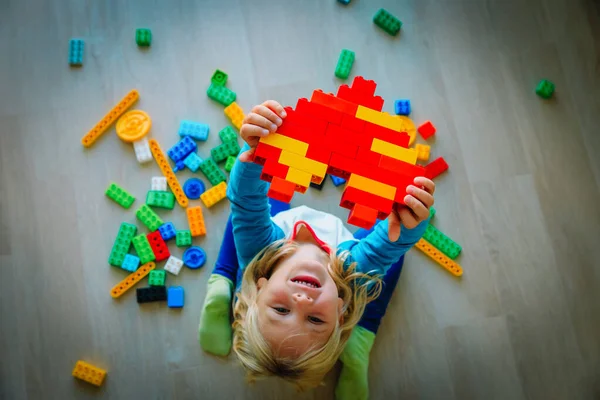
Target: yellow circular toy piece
409	127
133	125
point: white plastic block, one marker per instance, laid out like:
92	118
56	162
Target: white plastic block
142	150
173	265
159	183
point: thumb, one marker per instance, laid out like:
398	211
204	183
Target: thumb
247	156
393	226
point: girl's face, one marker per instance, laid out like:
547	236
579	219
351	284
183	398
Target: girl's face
298	306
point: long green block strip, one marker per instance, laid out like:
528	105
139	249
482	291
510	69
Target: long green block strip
148	217
221	94
119	195
160	199
442	242
122	242
344	64
387	22
143	249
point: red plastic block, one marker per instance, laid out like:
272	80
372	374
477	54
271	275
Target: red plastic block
336	140
387	135
353	196
158	245
315	126
391	164
298	132
273	168
370	157
364	87
436	167
304	107
353	123
329	100
340	166
266	152
362	92
319	152
426	130
281	190
362	216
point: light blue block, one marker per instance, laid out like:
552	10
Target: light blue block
402	107
76	52
175	297
131	263
195	130
193	162
337	181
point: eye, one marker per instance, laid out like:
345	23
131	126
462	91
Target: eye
281	310
316	320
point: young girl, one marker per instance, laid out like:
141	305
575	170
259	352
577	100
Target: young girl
302	280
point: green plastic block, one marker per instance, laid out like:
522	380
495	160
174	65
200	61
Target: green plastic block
219	153
227	134
143	37
183	238
221	94
119	195
143	249
160	199
229	163
387	22
122	242
431	212
545	89
442	242
148	217
233	148
212	172
157	278
219	78
344	65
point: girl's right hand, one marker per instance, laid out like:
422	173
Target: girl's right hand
264	118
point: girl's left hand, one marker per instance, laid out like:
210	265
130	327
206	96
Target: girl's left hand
418	200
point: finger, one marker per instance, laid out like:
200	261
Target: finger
393	226
276	107
427	184
248	131
407	217
260	121
246	156
266	112
421	195
419	210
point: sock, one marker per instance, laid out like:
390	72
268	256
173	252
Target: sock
214	331
353	383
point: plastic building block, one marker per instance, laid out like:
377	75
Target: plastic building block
436	167
285	143
230	163
235	114
159	183
163	164
167	231
227	134
442	242
386	120
193	188
194	257
282	190
362	92
119	195
89	373
215	194
432	212
196	221
143	249
133	126
545	89
302	163
372	186
195	130
337	181
175	297
173	265
402	107
212	172
193	162
219	153
131	280
150	294
439	257
143	37
142	150
387	22
221	94
148	217
344	64
426	130
233	148
318	186
118	110
298	177
362	216
157	278
219	78
391	150
130	263
318	111
328	100
122	243
423	152
183	238
160	199
180	165
182	149
159	247
76	52
353	196
344	1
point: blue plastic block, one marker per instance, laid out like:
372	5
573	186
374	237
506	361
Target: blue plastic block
182	149
175	297
278	206
194	257
195	130
167	231
337	181
76	52
344	1
193	162
131	263
193	188
179	165
402	107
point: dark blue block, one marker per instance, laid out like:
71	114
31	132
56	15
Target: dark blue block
193	188
167	231
182	149
194	257
402	107
337	181
175	297
278	206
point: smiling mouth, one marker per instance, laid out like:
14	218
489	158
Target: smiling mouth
308	281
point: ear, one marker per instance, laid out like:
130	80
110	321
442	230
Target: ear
261	282
341	310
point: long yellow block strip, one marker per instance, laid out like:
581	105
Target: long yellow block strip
302	163
372	186
439	257
131	280
164	166
298	177
285	143
391	150
109	118
379	118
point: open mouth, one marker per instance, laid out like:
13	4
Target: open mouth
307	281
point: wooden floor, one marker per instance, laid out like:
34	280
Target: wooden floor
522	194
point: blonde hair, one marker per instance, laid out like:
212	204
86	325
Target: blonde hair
356	289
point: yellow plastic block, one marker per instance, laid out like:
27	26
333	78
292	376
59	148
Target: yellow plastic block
409	127
214	195
302	163
439	257
285	143
196	221
372	186
131	280
298	177
379	118
109	118
164	166
133	126
423	151
87	372
235	113
394	151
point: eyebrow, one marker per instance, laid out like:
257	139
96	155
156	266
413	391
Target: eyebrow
314	328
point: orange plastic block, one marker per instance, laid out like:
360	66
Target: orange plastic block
298	177
87	372
439	257
281	190
329	100
397	152
164	166
235	114
109	118
423	152
302	163
215	194
196	221
131	280
379	118
285	143
372	186
362	216
133	126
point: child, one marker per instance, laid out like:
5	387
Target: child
302	280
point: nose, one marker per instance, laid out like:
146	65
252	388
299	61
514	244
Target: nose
302	298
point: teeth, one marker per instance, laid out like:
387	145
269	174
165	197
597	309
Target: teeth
305	283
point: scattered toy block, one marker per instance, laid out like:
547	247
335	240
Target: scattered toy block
235	114
195	130
402	107
436	167
219	153
221	94
302	163
130	263
372	186
159	183
233	148
131	280
211	170
285	143
196	221
387	22
157	278
173	265
118	110
219	78
379	118
426	130
143	37
344	64
122	243
175	297
143	249
439	257
142	150
423	152
151	294
183	238
215	194
282	190
193	188
337	181
193	162
133	126
148	217
194	257
432	212
182	149
391	150
362	216
545	89
160	199
298	177
89	373
345	2
158	245
230	163
163	164
167	231
442	242
119	195
227	134
76	47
